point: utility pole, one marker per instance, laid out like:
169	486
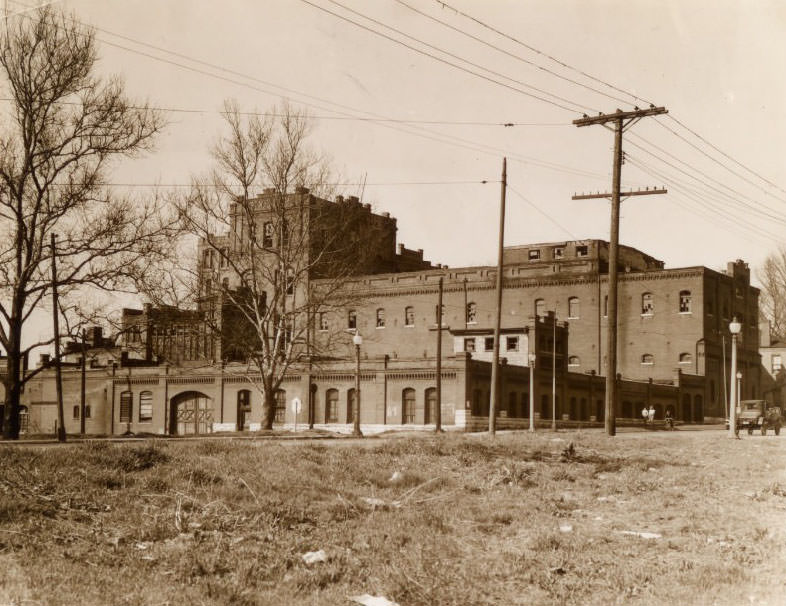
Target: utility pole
622	121
554	372
82	388
438	404
498	320
61	433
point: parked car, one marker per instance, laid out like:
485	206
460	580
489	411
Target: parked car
755	414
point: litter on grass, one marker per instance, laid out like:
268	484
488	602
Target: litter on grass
372	600
566	527
641	535
312	557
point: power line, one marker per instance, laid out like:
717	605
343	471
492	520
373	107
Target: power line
448	53
509	54
546	215
441	60
183	110
380	120
539	52
716	161
720	151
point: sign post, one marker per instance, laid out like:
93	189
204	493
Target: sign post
297	405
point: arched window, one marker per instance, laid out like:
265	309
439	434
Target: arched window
331	406
647	359
685	301
280	398
472	312
24	419
430	413
647	304
243	409
352	319
540	307
409	316
76	411
267	235
380	318
351	405
685	358
323	321
145	406
408	406
574	361
126	406
574	310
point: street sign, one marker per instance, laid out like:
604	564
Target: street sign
297	405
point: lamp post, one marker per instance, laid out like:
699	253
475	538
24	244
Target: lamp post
734	329
532	357
358	341
739	387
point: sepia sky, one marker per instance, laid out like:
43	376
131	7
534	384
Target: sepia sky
717	66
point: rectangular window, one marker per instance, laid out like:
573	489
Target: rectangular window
267	235
512	343
76	412
469	344
559	252
352	319
380	318
534	255
777	364
582	251
323	321
125	407
488	344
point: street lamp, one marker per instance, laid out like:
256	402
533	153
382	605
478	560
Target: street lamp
734	329
532	357
358	341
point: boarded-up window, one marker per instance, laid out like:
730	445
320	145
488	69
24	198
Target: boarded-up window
145	406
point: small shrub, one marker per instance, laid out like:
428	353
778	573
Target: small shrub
126	458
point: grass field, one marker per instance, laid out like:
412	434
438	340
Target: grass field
571	518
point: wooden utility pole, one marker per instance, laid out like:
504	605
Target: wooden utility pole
438	404
61	433
622	121
498	319
554	372
82	399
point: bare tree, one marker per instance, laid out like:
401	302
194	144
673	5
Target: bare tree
274	254
64	127
772	302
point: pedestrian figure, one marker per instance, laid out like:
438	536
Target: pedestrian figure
669	419
645	414
651	414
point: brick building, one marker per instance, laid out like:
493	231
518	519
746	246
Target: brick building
187	371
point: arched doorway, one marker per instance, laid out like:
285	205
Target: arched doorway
243	409
698	409
190	413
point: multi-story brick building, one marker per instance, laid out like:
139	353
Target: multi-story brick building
670	320
674	344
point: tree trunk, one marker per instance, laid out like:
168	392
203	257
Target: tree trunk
268	409
13	386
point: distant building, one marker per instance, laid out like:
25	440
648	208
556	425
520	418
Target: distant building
773	356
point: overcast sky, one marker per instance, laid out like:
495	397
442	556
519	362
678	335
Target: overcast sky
717	66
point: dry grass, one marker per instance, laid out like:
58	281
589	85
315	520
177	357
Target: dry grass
520	520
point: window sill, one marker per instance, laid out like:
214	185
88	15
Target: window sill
409	326
647	315
686	313
379	327
648	363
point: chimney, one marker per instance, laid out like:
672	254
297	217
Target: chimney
401	249
420	253
386	215
95	336
367	206
339	199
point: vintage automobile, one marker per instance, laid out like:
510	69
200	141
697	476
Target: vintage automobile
754	414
